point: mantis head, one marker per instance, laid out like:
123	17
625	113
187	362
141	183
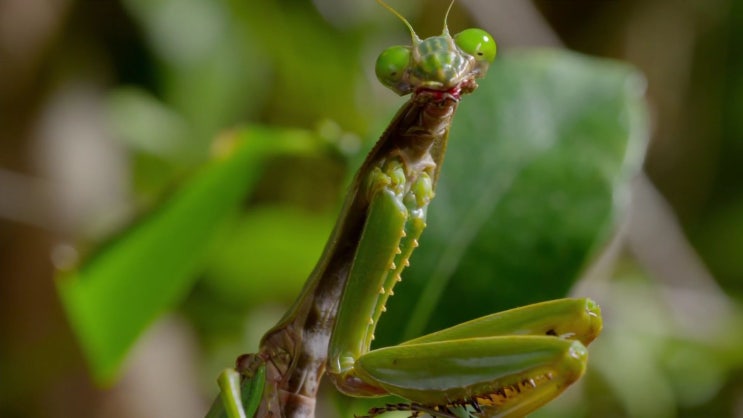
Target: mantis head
439	63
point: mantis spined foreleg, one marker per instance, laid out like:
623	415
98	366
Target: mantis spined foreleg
502	365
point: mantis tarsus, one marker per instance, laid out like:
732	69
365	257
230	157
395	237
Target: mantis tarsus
503	365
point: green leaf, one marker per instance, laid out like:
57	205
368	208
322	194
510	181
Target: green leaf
536	174
267	234
150	267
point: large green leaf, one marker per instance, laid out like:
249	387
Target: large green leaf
537	168
117	293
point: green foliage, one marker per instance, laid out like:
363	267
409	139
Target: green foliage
151	266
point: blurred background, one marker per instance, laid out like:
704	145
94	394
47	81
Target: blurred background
106	104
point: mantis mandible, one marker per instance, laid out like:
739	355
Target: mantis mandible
503	365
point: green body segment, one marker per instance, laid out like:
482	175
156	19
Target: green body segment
239	396
440	64
370	275
416	203
229	383
486	368
575	319
510	362
395	221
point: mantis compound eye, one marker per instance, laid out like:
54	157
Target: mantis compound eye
391	66
477	43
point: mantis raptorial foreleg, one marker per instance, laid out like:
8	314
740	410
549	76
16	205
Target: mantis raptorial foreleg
239	396
505	364
502	365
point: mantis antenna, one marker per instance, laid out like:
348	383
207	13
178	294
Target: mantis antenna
445	31
413	35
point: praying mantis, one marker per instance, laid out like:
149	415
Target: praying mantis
503	365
